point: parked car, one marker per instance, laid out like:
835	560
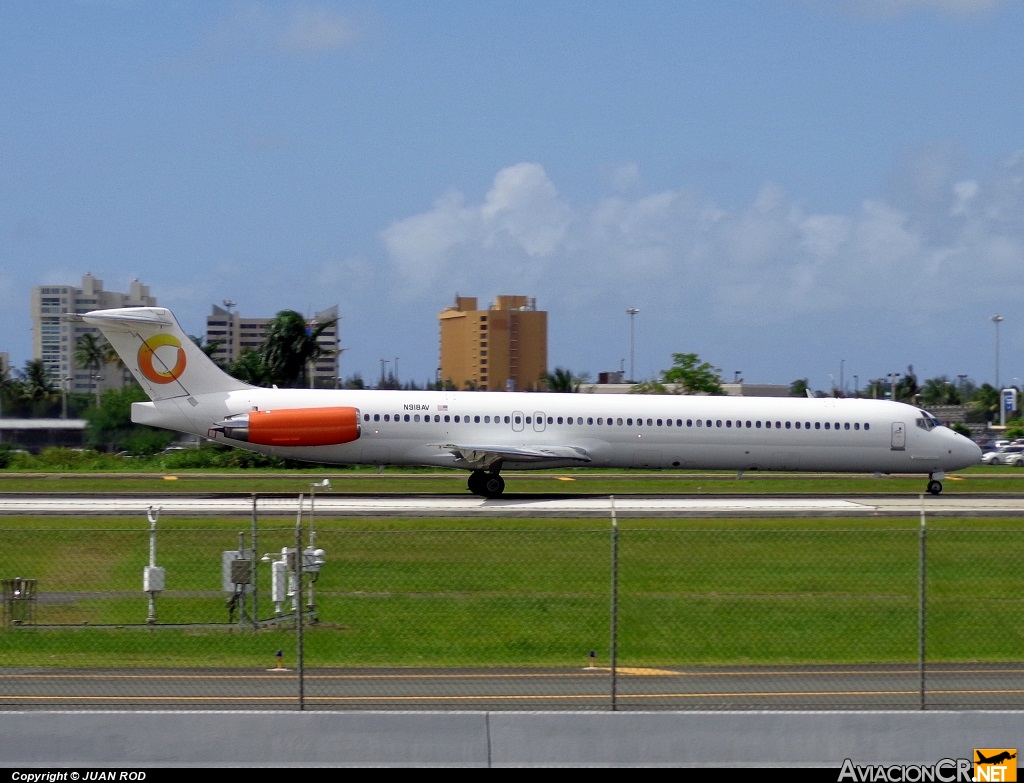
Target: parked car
1005	455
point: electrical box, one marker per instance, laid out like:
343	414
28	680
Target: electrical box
236	570
152	579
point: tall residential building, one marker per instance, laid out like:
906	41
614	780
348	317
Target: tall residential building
54	340
232	334
503	348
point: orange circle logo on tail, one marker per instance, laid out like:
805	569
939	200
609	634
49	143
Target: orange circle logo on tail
148	352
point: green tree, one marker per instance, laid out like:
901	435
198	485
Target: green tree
562	379
692	375
939	391
250	368
652	387
37	390
109	426
290	347
986	401
798	388
906	387
91	354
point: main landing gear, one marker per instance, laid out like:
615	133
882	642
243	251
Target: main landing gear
488	485
934	485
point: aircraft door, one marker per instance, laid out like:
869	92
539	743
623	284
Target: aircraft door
899	436
517	421
538	421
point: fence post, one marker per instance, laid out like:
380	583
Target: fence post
255	565
298	607
613	641
922	611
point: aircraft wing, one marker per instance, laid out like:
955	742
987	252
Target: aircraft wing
484	457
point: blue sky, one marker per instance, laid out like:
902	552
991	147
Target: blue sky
788	188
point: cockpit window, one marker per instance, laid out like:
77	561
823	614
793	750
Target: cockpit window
927	421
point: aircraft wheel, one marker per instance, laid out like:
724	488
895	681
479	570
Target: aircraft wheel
935	487
476	482
494	485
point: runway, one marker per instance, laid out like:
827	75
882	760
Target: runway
892	687
513	505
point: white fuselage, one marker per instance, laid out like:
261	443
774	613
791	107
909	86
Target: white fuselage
607	430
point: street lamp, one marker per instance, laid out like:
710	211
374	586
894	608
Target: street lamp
311	551
997	319
632	311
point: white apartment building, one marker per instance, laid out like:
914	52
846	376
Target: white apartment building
232	334
54	340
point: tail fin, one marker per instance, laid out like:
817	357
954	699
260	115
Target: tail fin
163	359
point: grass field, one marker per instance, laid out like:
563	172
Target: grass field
981	478
458	592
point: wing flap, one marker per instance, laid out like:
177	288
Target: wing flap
483	457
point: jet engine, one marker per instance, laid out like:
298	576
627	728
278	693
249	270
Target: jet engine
293	426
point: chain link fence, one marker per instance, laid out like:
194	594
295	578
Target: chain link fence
723	614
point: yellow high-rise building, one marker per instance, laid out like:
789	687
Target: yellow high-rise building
503	348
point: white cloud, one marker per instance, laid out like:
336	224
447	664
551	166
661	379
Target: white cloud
771	261
520	225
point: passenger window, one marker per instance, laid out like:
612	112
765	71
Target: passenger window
376	417
700	423
416	417
387	417
817	425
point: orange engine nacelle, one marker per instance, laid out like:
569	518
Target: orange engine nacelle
293	426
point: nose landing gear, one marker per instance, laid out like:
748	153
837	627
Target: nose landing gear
934	485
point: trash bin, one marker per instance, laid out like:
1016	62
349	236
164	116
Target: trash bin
19	597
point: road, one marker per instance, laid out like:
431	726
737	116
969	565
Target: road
898	687
521	505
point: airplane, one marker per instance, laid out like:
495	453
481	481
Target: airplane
487	432
996	759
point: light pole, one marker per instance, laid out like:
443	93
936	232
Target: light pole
856	387
842	378
997	319
632	311
383	369
311	551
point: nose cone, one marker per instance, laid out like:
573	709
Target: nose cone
964	452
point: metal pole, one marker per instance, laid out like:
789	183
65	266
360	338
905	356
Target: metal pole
632	342
997	319
298	607
255	564
613	646
923	606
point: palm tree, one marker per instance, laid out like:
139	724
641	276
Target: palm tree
562	379
291	346
939	391
91	354
36	387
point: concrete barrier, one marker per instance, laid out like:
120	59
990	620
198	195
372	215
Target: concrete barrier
498	739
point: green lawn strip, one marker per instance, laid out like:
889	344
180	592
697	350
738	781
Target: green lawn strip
514	592
432	481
